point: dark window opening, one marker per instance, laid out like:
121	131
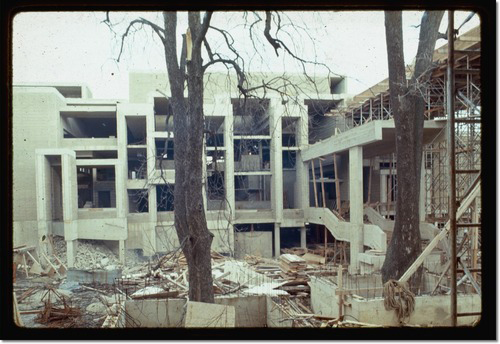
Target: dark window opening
258	227
138	201
164	157
289	132
136	130
288	140
251	116
289	237
321	123
96	187
214	140
253	191
105	174
289	159
214	131
104	199
165	197
163	112
252	155
97	154
137	163
89	127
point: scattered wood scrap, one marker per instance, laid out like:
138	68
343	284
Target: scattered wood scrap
58	316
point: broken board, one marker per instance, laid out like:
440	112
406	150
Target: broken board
209	315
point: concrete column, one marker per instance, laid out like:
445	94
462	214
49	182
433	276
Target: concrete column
356	205
149	238
276	111
70	203
43	198
383	190
229	158
121	251
71	250
94	192
302	167
230	229
422	190
277	240
150	146
303	242
204	175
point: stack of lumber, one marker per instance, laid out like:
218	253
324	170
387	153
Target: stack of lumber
292	265
294	250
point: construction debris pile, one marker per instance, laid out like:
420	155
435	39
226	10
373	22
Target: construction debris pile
91	254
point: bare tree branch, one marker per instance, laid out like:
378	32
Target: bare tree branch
271	40
204	27
158	30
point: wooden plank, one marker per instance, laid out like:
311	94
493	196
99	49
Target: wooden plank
314	185
50	263
25	265
337	183
323	198
466	202
370	182
314	258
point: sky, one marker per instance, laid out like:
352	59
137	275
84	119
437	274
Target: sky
77	47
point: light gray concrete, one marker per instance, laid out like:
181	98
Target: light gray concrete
356	205
253	243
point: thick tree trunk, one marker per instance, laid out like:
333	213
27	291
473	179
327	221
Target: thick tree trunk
408	107
190	219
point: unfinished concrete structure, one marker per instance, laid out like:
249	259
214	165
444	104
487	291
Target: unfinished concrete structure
280	170
312	167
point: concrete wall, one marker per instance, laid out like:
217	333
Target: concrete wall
429	310
250	311
155	313
276	315
253	243
35	115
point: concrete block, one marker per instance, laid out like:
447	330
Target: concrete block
96	276
208	315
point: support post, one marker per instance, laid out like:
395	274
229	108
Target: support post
70	204
423	189
451	156
303	242
369	182
356	205
314	185
43	204
323	199
121	251
71	249
229	170
474	238
277	240
337	183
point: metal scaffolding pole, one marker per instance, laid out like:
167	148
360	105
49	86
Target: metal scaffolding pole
451	156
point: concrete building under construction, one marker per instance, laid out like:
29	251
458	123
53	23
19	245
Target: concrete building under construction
312	165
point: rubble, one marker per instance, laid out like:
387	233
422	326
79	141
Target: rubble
93	254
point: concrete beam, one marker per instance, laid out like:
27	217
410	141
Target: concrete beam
358	136
96	162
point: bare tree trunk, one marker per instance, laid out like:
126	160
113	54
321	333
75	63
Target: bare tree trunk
408	107
190	219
